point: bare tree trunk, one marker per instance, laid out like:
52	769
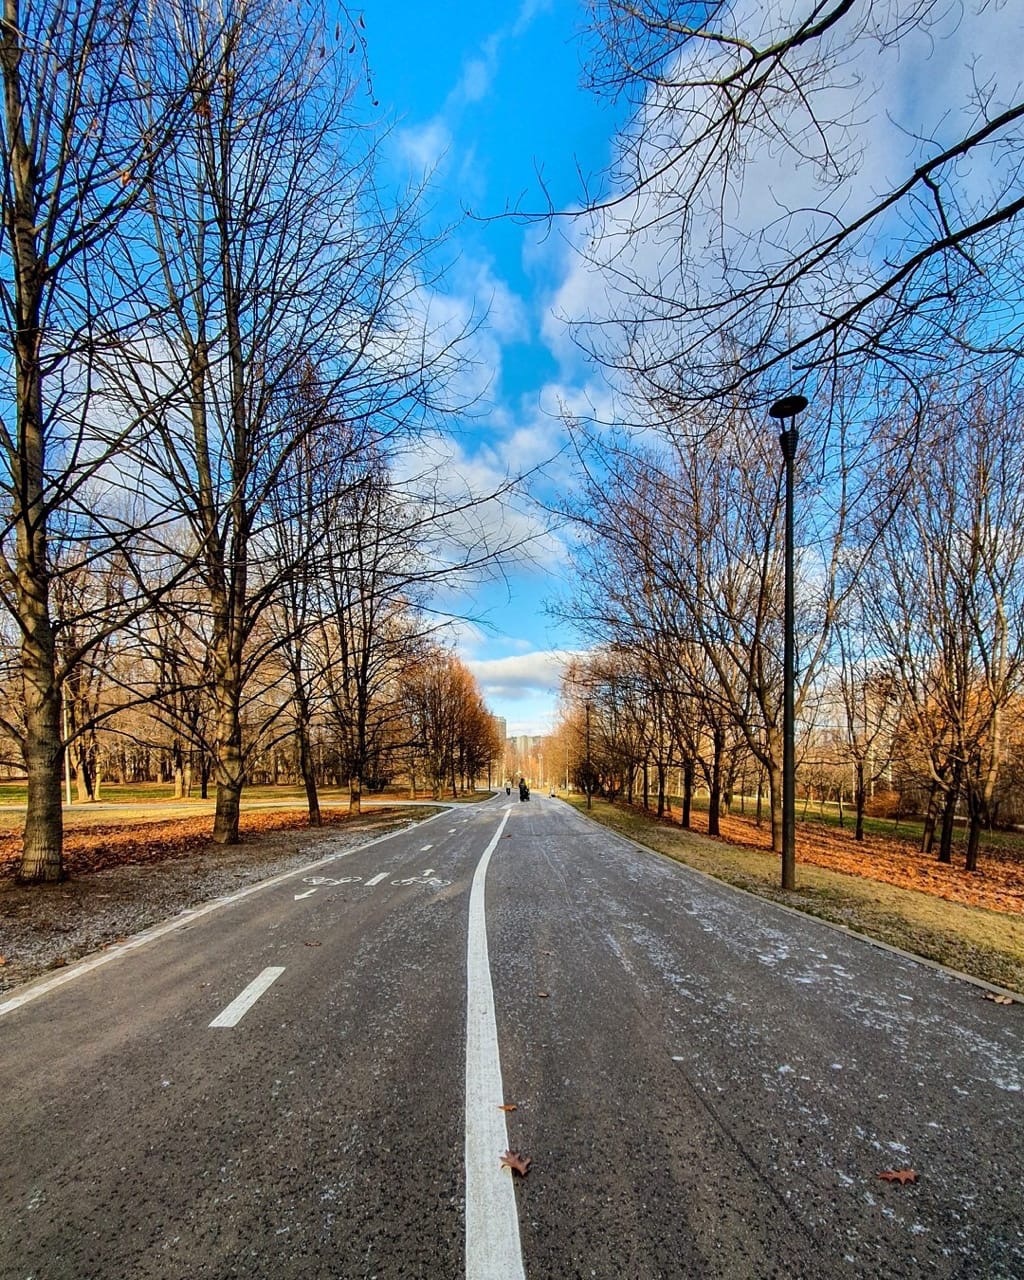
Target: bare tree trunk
82	774
775	802
308	771
976	815
44	833
44	820
355	794
687	793
948	816
179	771
230	778
860	800
928	834
715	797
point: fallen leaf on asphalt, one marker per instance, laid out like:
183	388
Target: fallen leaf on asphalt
506	1106
902	1176
516	1162
3	959
991	995
543	994
313	944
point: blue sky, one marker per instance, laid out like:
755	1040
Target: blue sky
488	98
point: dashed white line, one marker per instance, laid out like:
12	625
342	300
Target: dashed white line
426	847
381	875
493	1251
245	1000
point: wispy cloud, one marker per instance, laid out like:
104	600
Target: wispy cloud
521	676
424	146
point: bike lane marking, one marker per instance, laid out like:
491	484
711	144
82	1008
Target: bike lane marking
493	1249
185	919
232	1014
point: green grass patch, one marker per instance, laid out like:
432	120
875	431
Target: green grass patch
985	944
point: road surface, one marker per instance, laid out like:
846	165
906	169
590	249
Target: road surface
306	1082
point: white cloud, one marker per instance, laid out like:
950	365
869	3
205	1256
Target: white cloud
424	146
520	676
476	79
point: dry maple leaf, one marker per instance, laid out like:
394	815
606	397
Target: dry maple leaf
313	944
517	1163
902	1176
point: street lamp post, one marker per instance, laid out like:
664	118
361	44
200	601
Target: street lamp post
786	409
587	784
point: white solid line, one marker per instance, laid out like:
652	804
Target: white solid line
245	1000
493	1251
381	875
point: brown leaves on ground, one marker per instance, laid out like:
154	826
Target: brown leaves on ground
902	1176
112	844
516	1162
998	886
507	1106
994	996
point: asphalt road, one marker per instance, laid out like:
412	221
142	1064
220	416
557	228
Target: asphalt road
707	1086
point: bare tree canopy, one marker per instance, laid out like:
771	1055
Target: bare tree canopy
803	185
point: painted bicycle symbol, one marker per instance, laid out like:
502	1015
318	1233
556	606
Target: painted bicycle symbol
431	881
328	880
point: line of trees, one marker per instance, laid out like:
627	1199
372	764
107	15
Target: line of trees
219	342
758	237
910	626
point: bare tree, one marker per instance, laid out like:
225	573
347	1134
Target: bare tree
451	729
371	628
756	231
275	252
74	164
946	600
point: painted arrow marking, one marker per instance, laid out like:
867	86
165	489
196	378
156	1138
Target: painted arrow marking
307	894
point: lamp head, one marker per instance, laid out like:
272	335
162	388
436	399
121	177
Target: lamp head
788	407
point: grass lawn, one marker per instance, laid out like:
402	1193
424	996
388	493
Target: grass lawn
987	944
